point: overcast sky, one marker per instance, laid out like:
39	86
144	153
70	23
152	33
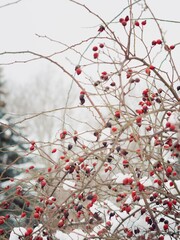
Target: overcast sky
64	21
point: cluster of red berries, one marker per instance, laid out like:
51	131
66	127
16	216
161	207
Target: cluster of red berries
42	181
159	42
104	76
137	24
95	49
124	21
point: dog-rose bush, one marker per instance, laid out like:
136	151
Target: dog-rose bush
115	176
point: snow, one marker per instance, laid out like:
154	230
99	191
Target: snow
69	185
146	181
16	233
77	234
120	176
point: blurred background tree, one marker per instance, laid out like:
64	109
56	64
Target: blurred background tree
13	162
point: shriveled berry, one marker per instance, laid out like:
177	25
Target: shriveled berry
101	28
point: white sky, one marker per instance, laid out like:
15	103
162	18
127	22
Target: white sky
64	21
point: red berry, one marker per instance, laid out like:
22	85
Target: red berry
124	23
166	226
148	128
143	22
23	214
32	147
172	127
138	119
169	170
81	159
33	142
78	71
95	48
2	220
136	23
36	215
114	129
101	28
28	231
130	181
117	114
139	111
96	55
54	150
125	163
108	223
31	167
127	18
151	67
125	181
128	209
155	194
104	73
101	45
148	71
118	199
143	210
159	41
141	187
67	167
154	42
63	134
61	223
133	194
170	204
43	183
129	234
40	178
172	47
171	184
161	238
168	124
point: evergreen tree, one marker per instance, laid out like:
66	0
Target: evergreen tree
14	196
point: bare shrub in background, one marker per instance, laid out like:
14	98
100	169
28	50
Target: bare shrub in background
117	173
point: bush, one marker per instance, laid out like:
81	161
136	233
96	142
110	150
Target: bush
117	174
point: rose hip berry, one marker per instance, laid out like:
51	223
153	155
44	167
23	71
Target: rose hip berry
136	23
78	70
143	23
96	55
95	48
